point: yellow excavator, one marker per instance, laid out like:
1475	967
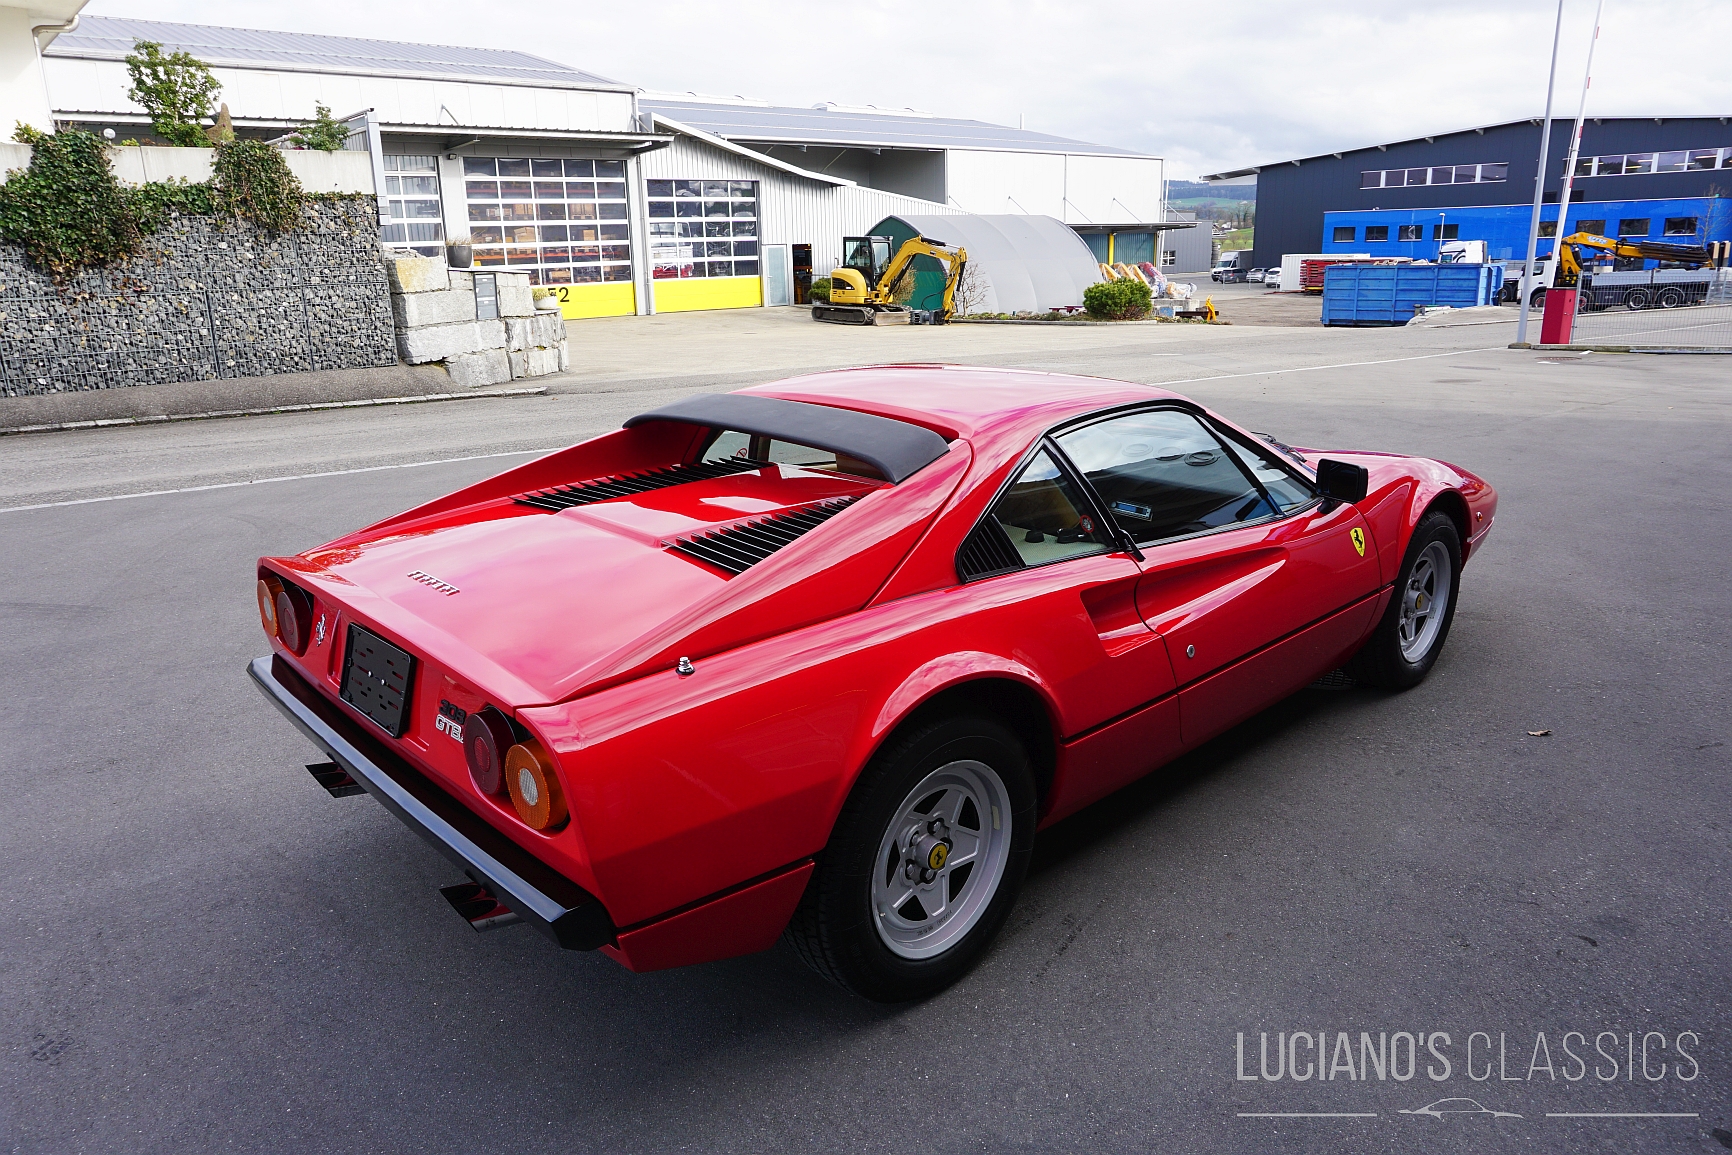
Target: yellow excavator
863	287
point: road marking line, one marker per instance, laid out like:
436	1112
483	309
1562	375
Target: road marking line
484	456
270	480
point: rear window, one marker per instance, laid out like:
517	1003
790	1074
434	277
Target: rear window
730	445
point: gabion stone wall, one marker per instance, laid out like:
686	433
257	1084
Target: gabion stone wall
203	300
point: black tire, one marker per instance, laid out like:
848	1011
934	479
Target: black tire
835	927
1671	298
1636	299
1382	662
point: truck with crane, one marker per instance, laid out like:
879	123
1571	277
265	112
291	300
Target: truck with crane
1691	279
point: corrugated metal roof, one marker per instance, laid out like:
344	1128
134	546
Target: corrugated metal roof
111	38
842	127
1253	170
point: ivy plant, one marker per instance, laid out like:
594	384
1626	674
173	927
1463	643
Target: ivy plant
66	208
176	89
250	179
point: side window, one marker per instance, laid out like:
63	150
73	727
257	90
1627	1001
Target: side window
1044	516
1284	489
730	445
1163	474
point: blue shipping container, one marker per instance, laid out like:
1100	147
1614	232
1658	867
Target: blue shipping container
1389	294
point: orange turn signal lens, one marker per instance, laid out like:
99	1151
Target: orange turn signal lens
534	789
269	588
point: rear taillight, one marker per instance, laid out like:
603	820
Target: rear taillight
535	790
269	588
286	611
486	738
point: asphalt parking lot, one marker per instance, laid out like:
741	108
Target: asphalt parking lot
204	952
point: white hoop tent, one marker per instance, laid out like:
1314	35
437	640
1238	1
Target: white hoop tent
1031	263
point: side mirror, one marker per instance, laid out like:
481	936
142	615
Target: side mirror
1338	481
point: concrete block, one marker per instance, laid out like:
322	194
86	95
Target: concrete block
462	279
439	342
515	300
413	310
548	329
473	370
564	350
518	332
417	274
542	362
490	334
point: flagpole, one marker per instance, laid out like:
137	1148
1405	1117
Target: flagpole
1540	182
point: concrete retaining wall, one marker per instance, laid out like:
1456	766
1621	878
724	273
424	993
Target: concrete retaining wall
435	310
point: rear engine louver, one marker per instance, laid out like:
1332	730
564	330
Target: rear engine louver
739	547
986	551
626	484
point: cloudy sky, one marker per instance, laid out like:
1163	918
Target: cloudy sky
1211	86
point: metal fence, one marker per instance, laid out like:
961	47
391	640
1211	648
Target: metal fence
1683	308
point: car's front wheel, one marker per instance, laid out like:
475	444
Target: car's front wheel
1410	635
924	864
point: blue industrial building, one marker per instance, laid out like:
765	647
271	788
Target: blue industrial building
1663	175
1419	233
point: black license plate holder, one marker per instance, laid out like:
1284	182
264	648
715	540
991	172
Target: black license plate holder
378	679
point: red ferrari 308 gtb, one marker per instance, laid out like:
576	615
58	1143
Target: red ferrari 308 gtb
819	657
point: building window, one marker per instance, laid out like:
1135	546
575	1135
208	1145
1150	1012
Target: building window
1344	234
409	211
1451	174
703	228
564	222
1680	226
1633	227
1598	228
1446	232
1376	233
1410	232
1169	258
1548	228
1639	163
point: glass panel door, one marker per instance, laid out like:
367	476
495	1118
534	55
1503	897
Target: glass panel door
776	275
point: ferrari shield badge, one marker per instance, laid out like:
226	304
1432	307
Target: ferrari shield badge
1358	536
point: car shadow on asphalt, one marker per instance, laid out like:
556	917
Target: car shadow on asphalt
1088	827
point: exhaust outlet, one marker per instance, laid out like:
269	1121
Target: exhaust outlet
478	907
335	779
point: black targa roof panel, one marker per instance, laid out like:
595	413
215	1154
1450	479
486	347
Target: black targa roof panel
895	448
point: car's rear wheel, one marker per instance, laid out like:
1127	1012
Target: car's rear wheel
1410	635
924	864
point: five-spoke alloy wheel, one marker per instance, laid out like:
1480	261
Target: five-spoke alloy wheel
924	862
1405	644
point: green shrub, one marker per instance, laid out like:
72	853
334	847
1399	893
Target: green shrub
820	290
177	90
1123	300
324	132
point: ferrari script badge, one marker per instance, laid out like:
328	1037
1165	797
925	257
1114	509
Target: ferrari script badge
1358	536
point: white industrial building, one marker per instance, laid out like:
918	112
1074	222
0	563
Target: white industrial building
627	202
